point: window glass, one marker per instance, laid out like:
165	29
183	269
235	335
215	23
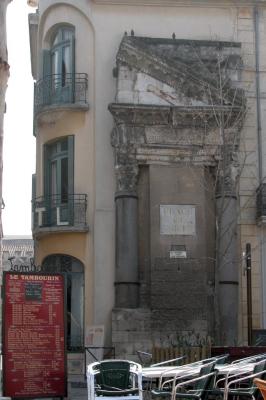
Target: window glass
66	64
64	145
59	181
56	38
66	58
67	34
55	62
59	170
53	149
53	178
61	57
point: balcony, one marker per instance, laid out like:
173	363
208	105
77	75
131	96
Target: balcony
261	204
68	90
59	213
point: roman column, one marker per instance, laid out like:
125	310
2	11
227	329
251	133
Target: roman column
126	204
227	256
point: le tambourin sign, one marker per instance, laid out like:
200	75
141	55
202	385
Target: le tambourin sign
31	267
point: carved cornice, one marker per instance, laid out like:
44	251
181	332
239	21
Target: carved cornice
180	117
165	135
140	115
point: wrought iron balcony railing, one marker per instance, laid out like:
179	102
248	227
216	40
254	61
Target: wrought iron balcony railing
60	211
261	202
60	89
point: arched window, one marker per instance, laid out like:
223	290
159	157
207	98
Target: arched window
74	272
62	62
59	67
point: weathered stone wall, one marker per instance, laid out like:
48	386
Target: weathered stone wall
182	289
131	332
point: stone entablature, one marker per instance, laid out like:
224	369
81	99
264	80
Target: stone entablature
153	134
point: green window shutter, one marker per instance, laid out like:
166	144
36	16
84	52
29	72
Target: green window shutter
71	203
71	164
46	188
72	46
46	75
33	189
46	64
33	199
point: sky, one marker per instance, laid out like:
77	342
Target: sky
19	142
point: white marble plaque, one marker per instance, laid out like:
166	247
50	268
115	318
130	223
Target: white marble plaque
177	220
178	254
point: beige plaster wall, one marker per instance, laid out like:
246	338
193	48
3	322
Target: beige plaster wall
99	30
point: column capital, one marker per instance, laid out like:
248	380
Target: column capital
126	166
126	175
227	174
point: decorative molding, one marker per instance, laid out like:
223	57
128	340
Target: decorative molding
139	114
126	166
227	173
179	117
155	134
126	171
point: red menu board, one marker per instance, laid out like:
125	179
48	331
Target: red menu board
34	356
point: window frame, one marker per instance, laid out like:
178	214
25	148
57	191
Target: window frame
59	88
55	203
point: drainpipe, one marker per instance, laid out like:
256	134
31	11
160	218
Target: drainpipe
257	61
249	292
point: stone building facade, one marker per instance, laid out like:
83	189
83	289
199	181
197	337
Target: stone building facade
149	125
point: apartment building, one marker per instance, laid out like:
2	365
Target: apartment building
149	125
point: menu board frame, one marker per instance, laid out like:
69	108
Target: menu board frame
63	392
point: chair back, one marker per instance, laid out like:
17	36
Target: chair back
251	388
222	359
202	384
259	367
114	374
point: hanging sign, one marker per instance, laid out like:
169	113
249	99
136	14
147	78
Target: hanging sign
34	346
